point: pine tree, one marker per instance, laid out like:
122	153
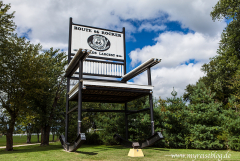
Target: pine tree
174	122
232	123
205	118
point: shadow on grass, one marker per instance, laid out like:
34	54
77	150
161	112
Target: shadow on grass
94	148
110	147
114	147
32	148
87	153
152	148
90	150
160	149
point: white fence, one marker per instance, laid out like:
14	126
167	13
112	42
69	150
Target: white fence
25	134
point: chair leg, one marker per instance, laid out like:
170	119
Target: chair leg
126	121
151	113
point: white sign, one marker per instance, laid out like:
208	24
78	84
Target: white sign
103	43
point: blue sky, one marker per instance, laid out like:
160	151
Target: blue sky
181	33
146	37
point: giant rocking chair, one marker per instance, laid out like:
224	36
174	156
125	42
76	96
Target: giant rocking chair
105	90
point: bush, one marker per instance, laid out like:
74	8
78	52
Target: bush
93	139
234	143
233	127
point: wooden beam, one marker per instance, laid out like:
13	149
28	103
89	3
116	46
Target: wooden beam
98	110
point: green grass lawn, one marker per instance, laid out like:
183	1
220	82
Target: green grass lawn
102	152
17	140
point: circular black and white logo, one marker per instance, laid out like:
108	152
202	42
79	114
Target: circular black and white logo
98	42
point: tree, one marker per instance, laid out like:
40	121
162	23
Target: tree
49	84
189	90
175	125
58	123
226	9
24	91
16	56
205	118
26	120
3	121
222	68
7	25
217	126
139	123
232	122
234	85
14	59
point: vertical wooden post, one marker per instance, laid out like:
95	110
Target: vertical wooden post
126	121
150	101
124	72
67	108
124	45
68	79
80	97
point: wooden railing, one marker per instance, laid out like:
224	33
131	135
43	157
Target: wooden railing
103	68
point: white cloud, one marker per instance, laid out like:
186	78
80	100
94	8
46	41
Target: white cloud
194	15
48	44
164	79
48	22
150	27
48	19
176	48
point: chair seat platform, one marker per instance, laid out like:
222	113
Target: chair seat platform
109	92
